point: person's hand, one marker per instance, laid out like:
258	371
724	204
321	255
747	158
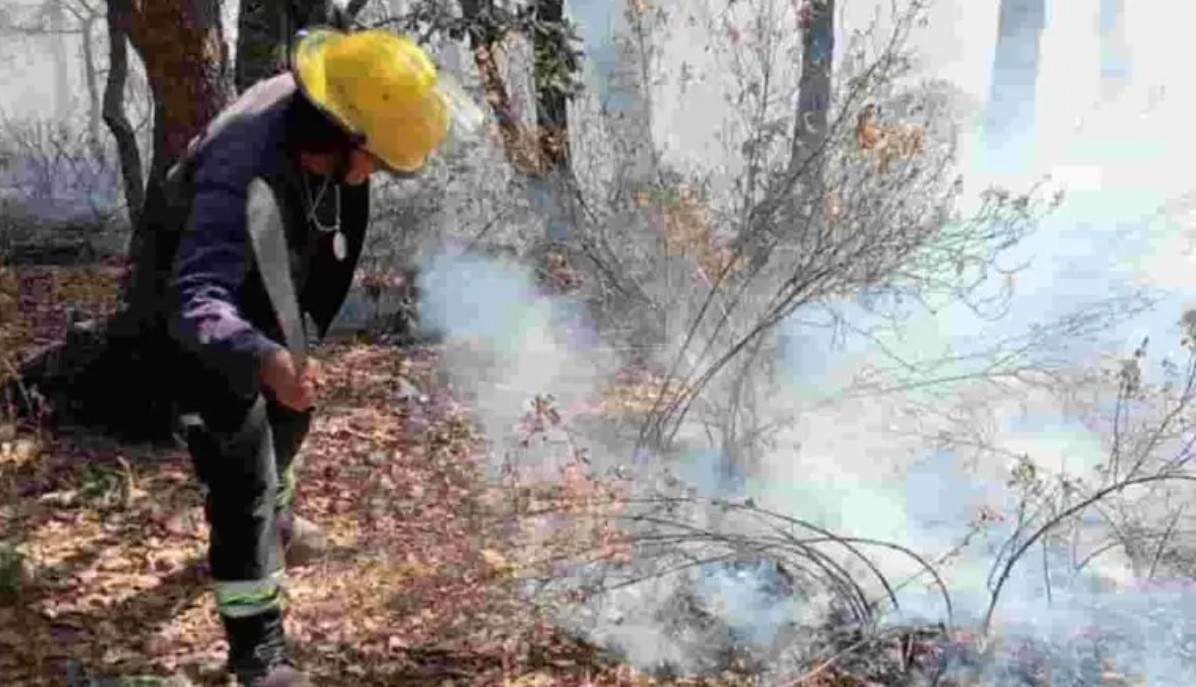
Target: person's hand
285	384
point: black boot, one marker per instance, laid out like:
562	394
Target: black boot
258	653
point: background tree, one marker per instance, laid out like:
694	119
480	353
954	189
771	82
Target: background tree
181	45
65	173
1010	115
53	13
115	117
265	31
1116	68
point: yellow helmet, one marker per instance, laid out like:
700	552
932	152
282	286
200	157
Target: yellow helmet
384	88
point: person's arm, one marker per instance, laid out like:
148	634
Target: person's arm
214	259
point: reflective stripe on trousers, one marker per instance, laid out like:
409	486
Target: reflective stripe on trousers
238	599
244	454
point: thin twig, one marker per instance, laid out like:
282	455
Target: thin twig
1041	531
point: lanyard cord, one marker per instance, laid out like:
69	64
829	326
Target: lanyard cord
340	247
313	205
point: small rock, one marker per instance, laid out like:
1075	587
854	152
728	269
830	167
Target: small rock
408	391
61	499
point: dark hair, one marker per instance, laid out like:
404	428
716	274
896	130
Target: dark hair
313	131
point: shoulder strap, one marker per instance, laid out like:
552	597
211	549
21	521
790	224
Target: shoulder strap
268	236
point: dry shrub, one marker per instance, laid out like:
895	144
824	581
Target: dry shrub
689	233
639	394
887	141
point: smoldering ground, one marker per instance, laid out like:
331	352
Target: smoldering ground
877	483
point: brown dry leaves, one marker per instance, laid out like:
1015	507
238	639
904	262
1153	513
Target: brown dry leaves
34	305
559	274
636	392
420	587
886	141
111	578
689	232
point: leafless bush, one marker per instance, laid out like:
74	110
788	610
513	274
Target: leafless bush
64	169
704	585
694	280
643	555
54	174
1136	500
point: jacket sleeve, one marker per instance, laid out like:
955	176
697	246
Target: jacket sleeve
214	258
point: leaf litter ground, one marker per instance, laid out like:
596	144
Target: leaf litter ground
104	544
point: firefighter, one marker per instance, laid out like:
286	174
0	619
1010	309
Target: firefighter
350	105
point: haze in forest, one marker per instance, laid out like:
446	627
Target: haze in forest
1093	94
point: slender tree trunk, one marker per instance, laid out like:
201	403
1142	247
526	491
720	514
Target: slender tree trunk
62	82
552	187
94	121
814	89
128	154
552	115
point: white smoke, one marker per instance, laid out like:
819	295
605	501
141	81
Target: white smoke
877	466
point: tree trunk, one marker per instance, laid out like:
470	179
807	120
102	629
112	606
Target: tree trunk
354	7
113	374
552	115
182	47
551	189
814	89
265	31
1011	105
484	36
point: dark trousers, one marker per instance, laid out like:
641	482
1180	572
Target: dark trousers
243	453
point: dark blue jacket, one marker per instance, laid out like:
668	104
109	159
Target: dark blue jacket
220	313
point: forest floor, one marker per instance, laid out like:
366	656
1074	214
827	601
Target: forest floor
102	565
102	544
